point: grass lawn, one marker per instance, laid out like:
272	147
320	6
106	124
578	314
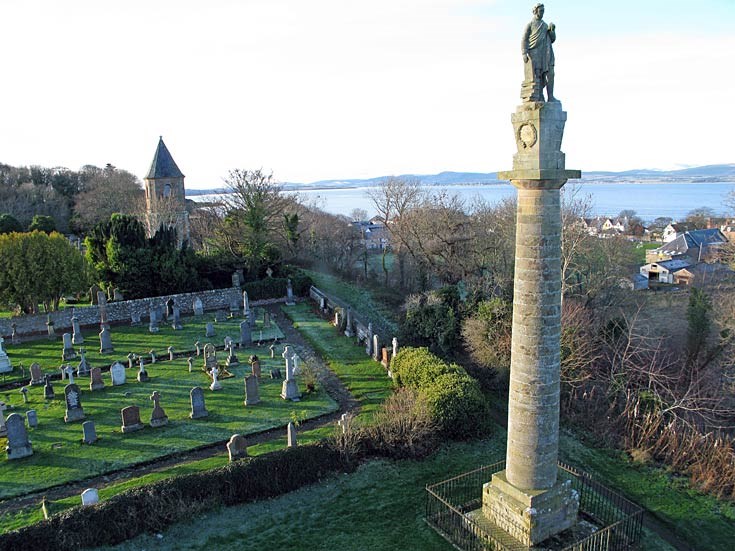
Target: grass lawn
639	249
60	457
126	339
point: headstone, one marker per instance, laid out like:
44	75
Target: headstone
323	304
50	327
220	316
153	323
102	302
245	303
24	392
369	340
289	389
276	374
289	293
130	419
131	359
198	307
246	338
74	410
252	392
232	360
210	356
176	323
14	338
170	351
95	379
288	357
5	365
89	432
142	373
376	347
19	445
69	370
235	279
83	368
237	447
90	496
153	356
216	385
227	342
338	319
251	317
198	410
93	290
158	416
76	338
348	328
255	366
48	389
36	374
291	435
106	342
190	363
395	347
234	307
32	418
209	330
68	353
198	347
135	317
295	360
344	422
386	358
169	309
272	349
117	374
3	428
267	319
117	296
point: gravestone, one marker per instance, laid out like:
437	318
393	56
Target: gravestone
344	422
235	279
267	319
93	290
135	317
89	432
276	374
245	304
287	355
198	347
106	342
272	349
251	317
255	366
117	374
216	385
237	447
220	316
385	362
117	296
74	410
369	340
376	347
3	428
198	410
76	337
289	389
69	370
395	347
252	392
348	327
153	356
68	352
36	374
102	301
198	307
32	418
95	380
130	419
209	332
291	435
142	373
190	363
48	389
232	360
323	304
227	342
176	323
338	319
50	327
234	307
19	445
83	368
170	351
169	309
289	293
90	496
210	357
153	323
246	338
131	359
24	392
14	338
158	416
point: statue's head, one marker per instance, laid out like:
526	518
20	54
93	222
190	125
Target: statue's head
538	11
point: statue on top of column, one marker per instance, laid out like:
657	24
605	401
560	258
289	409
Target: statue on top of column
538	58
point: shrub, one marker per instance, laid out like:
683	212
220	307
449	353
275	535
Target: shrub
274	287
457	404
417	367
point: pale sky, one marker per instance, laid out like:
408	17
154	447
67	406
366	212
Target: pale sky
327	89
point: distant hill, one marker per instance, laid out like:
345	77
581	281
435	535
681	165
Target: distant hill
709	173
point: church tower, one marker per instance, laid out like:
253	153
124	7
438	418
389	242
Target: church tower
164	195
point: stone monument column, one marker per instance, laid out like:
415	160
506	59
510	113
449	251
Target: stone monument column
526	499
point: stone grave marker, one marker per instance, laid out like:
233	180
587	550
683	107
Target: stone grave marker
395	347
198	307
19	445
158	416
24	392
142	373
219	316
227	342
76	337
32	418
14	338
106	342
3	428
169	309
36	374
291	435
276	374
272	349
131	359
246	337
153	323
209	331
216	385
90	496
252	392
48	389
289	389
74	409
102	302
245	303
348	326
69	370
50	327
198	409
344	422
170	351
95	380
190	363
198	347
255	366
83	368
232	360
289	293
135	317
89	433
376	347
117	296
117	374
386	358
237	447
176	323
369	340
234	307
130	419
210	357
153	356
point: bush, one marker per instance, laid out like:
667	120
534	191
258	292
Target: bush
275	287
457	404
417	367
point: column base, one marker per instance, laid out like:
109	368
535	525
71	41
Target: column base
530	516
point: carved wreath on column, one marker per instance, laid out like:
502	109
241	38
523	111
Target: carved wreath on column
527	135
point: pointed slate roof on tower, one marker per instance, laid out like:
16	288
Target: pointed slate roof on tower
163	165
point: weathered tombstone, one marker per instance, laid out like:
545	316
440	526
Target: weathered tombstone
216	385
93	290
369	340
158	416
289	389
235	279
135	317
117	296
36	374
227	342
295	360
246	338
50	327
69	370
90	496
245	304
190	363
251	317
48	389
252	392
14	338
234	307
106	341
89	432
272	349
117	374
255	365
170	351
210	356
19	445
289	293
209	330
291	435
220	316
95	379
287	355
32	418
198	307
74	410
142	373
267	319
153	356
176	323
131	359
68	352
348	327
83	368
344	422
102	301
385	362
376	347
198	410
237	447
130	419
3	428
198	347
24	392
76	337
153	323
395	347
169	308
323	304
232	360
338	319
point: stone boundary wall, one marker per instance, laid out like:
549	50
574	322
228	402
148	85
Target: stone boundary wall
121	312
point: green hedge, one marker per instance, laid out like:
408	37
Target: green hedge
274	287
454	398
154	507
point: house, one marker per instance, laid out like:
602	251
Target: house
676	228
669	271
374	234
698	245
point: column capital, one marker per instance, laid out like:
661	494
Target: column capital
539	178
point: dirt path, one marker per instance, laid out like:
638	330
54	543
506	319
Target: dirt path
330	382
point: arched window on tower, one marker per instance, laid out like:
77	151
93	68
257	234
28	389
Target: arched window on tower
167	190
